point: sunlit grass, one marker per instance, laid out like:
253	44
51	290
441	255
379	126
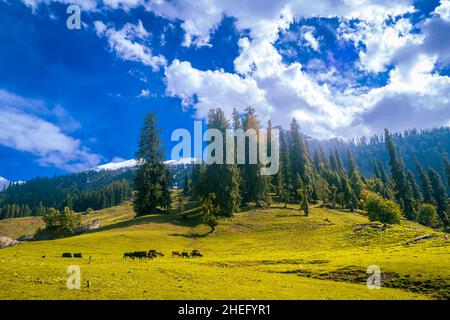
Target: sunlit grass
267	253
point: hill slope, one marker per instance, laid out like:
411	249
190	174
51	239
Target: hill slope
272	253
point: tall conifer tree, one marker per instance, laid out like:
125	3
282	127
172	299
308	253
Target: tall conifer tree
404	194
427	190
151	179
440	195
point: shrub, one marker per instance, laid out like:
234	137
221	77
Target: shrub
61	223
428	215
380	209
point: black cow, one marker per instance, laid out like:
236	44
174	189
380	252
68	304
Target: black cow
196	253
137	255
66	255
77	255
185	255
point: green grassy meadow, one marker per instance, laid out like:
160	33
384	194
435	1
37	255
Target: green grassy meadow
260	253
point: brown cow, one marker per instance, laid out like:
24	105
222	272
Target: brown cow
175	254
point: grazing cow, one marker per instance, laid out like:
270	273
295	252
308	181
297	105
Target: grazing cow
153	253
196	253
141	254
66	255
127	255
77	255
150	256
137	255
185	255
175	254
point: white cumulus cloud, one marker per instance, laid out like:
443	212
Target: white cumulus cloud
25	128
125	42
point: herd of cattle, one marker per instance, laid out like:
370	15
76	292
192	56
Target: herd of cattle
69	255
154	254
145	254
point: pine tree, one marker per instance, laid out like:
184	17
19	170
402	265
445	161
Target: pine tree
427	190
271	180
354	175
221	179
383	185
320	162
404	194
349	197
447	170
440	195
301	195
254	185
284	175
415	189
301	163
210	212
151	179
198	180
186	185
338	161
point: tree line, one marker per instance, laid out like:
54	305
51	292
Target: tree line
79	191
390	192
428	146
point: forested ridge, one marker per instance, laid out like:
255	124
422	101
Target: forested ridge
398	174
428	146
78	191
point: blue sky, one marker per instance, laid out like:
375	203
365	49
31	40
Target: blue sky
74	99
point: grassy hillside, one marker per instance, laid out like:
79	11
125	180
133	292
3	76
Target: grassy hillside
271	253
15	228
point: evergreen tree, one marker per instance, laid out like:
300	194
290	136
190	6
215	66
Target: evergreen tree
300	158
337	158
255	186
198	180
404	194
284	175
186	185
440	195
447	170
221	179
152	174
349	197
210	212
427	190
415	188
354	175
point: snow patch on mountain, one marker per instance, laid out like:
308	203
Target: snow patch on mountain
127	164
3	183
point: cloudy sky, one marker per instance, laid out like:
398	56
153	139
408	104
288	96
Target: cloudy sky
74	99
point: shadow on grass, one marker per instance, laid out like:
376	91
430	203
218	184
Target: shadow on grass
189	218
191	235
